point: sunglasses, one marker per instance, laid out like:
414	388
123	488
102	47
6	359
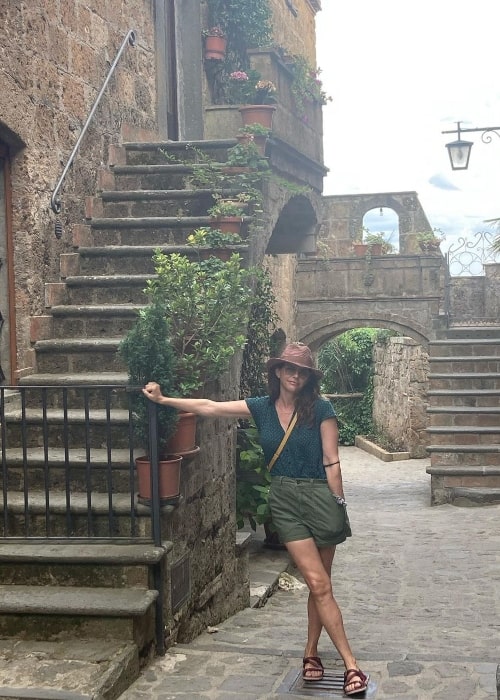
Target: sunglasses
290	370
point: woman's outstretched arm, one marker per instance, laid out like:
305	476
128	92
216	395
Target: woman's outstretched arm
202	407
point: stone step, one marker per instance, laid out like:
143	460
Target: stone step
137	152
97	516
471	347
150	231
474	332
59	562
155	176
456	365
83	669
72	356
464	397
446	478
93	320
52	612
469	497
464	436
452	455
157	203
482	417
464	380
62	552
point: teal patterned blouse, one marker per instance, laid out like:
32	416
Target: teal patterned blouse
302	456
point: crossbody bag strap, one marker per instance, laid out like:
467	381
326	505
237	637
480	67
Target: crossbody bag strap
282	444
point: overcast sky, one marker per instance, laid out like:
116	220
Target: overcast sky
399	73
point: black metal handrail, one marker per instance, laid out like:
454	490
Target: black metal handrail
67	464
55	200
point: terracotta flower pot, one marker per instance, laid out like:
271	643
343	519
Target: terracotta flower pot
184	438
228	224
215	47
169	470
258	114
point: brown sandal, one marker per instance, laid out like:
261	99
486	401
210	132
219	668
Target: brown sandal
315	666
354	675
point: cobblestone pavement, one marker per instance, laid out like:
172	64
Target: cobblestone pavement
419	588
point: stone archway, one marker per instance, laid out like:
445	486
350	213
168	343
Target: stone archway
343	219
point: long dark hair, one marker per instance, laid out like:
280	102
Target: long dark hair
304	404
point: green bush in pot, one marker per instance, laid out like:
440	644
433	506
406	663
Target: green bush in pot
149	356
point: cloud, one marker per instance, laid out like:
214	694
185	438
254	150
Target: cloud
441	182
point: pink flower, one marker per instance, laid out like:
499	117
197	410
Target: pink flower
238	75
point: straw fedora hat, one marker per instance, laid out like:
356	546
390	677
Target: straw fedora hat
295	354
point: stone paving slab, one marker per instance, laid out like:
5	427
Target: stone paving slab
419	589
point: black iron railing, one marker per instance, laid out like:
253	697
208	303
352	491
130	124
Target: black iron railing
67	461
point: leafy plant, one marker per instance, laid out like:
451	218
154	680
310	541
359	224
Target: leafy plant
246	155
252	480
214	31
378	239
261	326
249	88
247	25
206	304
225	208
213	238
433	237
306	85
255	130
347	364
149	355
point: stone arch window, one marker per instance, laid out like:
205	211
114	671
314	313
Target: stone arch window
384	220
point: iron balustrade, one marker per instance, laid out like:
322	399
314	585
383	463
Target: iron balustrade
55	201
468	256
67	460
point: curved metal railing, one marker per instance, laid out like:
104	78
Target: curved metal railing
467	256
55	200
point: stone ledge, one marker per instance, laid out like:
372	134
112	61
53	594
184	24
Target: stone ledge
363	444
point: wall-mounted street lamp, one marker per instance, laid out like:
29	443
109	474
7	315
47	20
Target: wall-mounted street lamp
459	150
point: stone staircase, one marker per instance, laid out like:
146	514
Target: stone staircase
464	416
52	589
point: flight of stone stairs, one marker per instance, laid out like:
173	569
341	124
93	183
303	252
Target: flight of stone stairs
51	588
464	416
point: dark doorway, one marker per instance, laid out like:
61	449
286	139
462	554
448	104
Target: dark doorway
165	19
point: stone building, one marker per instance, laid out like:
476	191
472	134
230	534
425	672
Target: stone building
56	58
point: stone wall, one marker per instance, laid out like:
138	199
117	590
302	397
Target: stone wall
472	298
401	369
294	27
55	58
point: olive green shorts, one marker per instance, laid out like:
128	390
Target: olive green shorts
304	508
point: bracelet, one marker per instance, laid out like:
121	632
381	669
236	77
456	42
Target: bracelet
332	464
340	501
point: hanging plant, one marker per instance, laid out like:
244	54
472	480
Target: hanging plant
307	86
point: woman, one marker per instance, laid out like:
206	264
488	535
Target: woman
306	496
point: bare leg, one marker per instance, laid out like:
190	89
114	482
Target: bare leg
307	557
314	625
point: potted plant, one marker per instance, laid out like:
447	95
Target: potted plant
215	43
227	215
254	133
262	105
149	356
257	97
247	155
210	241
429	241
206	304
379	245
